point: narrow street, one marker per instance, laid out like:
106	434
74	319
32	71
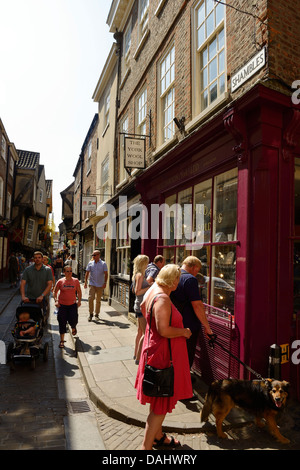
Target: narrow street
49	408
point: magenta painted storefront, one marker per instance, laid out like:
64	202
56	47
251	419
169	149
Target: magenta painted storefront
243	167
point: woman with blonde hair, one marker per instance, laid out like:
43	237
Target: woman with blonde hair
166	323
140	286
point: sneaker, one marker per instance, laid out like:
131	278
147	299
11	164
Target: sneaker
97	316
90	317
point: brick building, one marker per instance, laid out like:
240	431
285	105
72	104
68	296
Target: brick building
209	85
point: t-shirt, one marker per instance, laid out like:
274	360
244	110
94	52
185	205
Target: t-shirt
187	291
67	290
36	280
152	270
96	270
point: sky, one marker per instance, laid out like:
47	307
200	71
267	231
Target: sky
52	53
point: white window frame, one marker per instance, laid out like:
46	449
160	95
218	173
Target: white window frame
3	148
167	96
30	230
41	194
206	31
106	110
141	112
89	158
143	17
105	178
123	247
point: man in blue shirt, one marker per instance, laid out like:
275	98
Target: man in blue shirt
153	269
188	301
96	272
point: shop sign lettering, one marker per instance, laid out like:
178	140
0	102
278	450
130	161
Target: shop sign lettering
254	65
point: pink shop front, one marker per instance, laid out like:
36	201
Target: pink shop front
242	170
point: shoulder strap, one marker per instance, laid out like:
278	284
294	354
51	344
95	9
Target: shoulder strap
150	328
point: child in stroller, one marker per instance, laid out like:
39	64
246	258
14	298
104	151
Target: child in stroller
27	335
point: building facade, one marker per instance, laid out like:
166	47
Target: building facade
209	88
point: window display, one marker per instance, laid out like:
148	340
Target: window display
215	199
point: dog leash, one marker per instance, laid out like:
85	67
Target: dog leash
213	340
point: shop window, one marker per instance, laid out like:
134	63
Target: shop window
205	213
297	239
123	248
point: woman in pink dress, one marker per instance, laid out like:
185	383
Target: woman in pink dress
159	355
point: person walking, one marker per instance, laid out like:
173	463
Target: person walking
188	301
13	269
97	275
36	282
166	323
153	269
68	302
140	286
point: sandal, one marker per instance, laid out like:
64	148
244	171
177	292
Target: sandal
161	442
61	344
74	331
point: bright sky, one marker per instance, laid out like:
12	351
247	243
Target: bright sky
52	53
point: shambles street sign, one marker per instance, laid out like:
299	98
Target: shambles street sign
254	65
134	152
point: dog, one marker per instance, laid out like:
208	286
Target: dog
263	398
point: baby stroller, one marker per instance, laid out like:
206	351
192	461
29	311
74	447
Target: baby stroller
28	346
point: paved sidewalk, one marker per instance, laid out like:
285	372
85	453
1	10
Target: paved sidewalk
105	349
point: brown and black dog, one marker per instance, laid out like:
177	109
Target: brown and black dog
262	398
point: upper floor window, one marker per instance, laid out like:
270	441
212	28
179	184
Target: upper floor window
3	147
141	112
11	166
167	94
1	196
105	178
41	194
127	42
89	158
210	53
106	110
143	16
124	130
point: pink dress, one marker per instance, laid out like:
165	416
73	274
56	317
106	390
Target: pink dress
159	356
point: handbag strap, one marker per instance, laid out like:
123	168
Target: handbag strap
150	329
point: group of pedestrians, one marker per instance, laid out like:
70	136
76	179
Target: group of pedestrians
171	294
38	280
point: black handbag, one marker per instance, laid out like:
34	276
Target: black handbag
158	382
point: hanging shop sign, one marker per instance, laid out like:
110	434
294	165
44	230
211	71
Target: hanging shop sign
248	70
89	203
135	152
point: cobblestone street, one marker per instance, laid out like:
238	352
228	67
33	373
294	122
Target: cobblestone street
38	412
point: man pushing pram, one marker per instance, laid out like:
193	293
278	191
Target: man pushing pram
36	282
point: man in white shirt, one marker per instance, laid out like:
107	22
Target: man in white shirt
96	272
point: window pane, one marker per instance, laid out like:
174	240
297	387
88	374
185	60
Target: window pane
297	197
213	70
297	278
219	13
203	276
202	210
184	221
213	92
213	49
223	277
209	6
225	206
221	39
222	83
169	255
221	61
209	25
201	35
169	220
201	14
